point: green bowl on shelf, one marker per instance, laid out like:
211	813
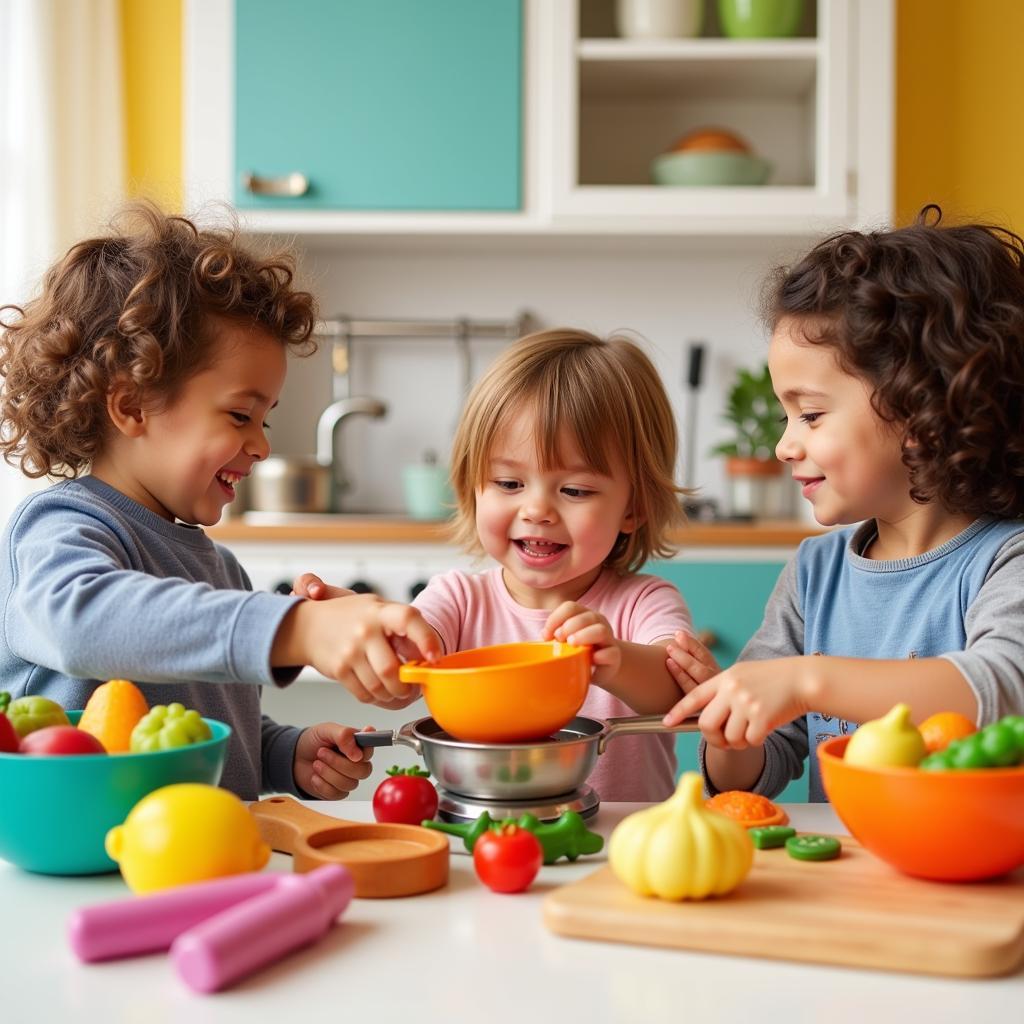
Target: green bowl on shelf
760	19
58	808
709	168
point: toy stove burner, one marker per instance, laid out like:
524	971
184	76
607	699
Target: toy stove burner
457	808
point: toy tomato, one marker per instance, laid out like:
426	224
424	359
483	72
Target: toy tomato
9	740
61	739
507	858
406	797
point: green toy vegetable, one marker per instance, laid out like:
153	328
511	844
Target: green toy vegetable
164	727
567	837
30	713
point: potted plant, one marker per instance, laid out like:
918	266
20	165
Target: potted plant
756	485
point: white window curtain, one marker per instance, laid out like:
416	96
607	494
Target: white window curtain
61	145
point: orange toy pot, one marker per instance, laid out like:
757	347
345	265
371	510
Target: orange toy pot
952	826
508	693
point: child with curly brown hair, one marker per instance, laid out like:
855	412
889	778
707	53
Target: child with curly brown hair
563	471
898	357
143	373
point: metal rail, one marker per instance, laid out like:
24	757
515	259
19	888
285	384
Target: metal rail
350	328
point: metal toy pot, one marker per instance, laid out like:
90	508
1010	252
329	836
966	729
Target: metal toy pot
516	771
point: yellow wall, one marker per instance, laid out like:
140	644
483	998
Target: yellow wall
959	140
959	95
151	45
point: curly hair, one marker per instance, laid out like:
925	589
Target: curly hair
609	398
139	307
932	318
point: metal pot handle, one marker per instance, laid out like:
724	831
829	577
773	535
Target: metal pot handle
402	737
640	724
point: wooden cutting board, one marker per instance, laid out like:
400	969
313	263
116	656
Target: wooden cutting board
855	911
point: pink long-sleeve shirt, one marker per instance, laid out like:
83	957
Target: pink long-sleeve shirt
475	610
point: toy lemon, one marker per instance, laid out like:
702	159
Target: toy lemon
185	833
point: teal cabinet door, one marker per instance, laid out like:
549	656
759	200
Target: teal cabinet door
381	104
727	599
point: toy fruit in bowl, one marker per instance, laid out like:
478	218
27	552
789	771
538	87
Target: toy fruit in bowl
57	809
507	693
710	156
952	826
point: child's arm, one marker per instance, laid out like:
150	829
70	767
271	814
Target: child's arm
635	673
354	640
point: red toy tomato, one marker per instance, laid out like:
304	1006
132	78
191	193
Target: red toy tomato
407	797
508	858
61	739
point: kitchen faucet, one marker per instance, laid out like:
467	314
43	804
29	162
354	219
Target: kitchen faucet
327	431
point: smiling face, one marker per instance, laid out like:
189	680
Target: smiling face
551	528
183	460
845	457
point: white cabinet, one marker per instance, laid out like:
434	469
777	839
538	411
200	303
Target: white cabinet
596	110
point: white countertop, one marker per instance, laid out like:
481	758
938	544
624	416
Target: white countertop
459	954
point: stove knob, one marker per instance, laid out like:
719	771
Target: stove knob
284	587
416	589
361	587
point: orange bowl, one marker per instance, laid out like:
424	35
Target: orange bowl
508	693
952	826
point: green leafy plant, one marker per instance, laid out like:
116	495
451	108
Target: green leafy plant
756	416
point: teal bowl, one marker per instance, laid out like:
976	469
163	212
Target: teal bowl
57	809
709	168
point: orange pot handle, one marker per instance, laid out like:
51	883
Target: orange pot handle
414	672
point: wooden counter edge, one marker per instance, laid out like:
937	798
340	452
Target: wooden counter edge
782	533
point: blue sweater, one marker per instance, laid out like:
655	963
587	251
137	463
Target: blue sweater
94	586
963	601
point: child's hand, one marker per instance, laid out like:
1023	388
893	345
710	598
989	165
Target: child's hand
690	663
358	641
328	764
572	623
310	585
739	707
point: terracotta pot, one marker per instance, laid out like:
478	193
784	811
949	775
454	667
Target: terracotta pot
737	465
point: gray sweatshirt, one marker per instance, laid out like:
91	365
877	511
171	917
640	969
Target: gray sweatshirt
94	586
964	601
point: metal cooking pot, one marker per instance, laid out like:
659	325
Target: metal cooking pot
516	771
293	484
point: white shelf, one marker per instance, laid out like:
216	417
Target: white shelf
624	69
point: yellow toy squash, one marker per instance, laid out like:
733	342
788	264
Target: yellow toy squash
679	849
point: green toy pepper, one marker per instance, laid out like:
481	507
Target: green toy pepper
30	713
567	837
164	727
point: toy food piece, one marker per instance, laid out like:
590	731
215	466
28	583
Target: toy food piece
679	849
567	837
507	858
749	809
30	713
165	727
298	910
998	745
185	833
407	796
890	740
769	837
146	924
60	739
112	712
10	741
939	730
811	847
716	140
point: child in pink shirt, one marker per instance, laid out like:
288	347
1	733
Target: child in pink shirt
562	468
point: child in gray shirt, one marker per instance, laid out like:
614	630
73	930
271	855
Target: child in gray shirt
143	373
898	357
